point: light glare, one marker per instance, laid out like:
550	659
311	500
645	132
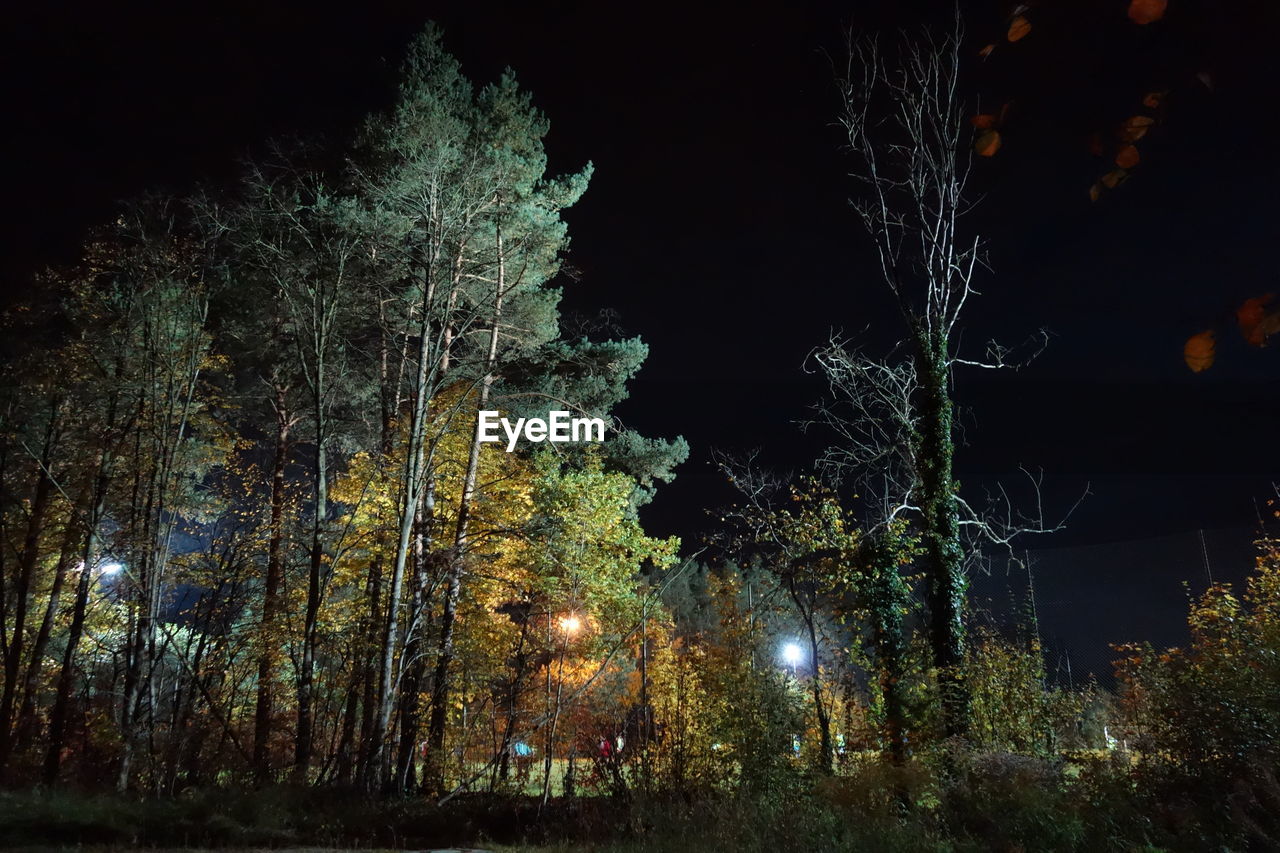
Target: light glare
792	654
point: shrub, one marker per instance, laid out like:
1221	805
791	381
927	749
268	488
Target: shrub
1013	710
1206	718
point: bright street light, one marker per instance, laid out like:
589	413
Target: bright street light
570	624
792	654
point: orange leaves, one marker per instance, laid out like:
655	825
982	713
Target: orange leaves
1153	100
987	143
1127	157
1199	351
1258	321
1147	11
1135	127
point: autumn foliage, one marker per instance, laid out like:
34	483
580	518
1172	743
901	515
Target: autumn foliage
1205	718
1258	318
1147	11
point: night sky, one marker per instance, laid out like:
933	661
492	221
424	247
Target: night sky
717	224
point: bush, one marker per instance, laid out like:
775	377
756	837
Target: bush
1205	719
1013	710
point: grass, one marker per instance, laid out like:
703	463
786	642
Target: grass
993	802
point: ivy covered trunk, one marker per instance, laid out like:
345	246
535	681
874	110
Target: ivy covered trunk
889	598
943	554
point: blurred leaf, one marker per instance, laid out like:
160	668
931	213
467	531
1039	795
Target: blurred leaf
988	143
1114	178
1018	28
1135	127
1199	351
1127	157
1147	11
1257	323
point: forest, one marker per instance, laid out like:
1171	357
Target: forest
271	575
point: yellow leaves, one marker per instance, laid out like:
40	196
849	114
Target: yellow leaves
987	143
589	531
1214	613
818	531
1199	351
1144	12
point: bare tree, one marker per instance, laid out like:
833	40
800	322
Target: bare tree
905	124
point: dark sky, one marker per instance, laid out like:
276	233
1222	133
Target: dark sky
717	223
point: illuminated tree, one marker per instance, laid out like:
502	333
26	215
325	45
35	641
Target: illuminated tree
906	129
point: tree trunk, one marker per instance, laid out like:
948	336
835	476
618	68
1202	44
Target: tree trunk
62	699
889	596
315	573
825	753
346	738
414	481
22	592
26	714
414	665
943	554
271	599
368	701
453	581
